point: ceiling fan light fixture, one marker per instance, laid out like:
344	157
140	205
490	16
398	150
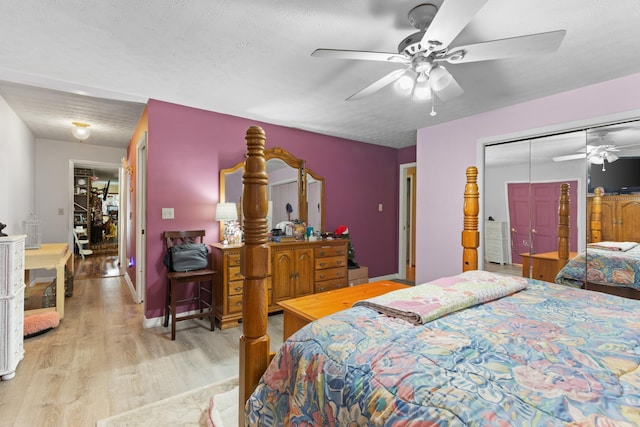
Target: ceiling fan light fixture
440	78
80	130
611	157
422	90
596	160
404	85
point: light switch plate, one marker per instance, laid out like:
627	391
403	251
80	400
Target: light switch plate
167	213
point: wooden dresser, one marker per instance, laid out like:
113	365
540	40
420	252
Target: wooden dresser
620	218
11	304
297	268
543	266
495	242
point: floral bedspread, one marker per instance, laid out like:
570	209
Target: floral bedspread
603	267
548	355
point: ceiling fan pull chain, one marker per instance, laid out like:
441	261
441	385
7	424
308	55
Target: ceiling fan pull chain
433	104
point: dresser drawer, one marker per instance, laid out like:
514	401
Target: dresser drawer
234	273
233	260
329	251
235	287
234	302
329	285
494	245
330	262
495	230
331	273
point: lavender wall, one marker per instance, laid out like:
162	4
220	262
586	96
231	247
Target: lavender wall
187	148
441	184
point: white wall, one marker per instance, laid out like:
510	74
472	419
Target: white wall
441	183
17	182
54	160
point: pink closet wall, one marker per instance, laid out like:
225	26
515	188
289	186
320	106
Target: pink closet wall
187	147
441	183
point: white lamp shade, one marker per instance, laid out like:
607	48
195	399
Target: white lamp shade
80	131
226	212
422	90
440	78
404	85
611	157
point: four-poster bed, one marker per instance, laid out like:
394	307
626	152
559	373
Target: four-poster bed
611	267
512	350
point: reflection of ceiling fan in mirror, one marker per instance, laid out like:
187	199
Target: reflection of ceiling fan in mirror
424	52
596	154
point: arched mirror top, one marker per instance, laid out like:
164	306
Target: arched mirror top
305	199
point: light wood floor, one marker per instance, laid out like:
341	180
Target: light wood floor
101	362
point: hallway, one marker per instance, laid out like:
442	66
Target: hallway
100	361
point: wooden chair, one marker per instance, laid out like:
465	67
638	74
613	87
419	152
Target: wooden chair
205	296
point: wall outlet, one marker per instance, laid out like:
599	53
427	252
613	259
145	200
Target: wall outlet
167	213
60	211
380	207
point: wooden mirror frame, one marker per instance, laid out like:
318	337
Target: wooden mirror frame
292	161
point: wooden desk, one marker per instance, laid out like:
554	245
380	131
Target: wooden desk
299	312
544	266
50	256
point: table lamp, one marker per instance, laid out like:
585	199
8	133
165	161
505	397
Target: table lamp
228	215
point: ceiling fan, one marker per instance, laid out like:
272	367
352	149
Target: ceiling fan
596	154
424	52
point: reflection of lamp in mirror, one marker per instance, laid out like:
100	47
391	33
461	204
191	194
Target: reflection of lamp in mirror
228	215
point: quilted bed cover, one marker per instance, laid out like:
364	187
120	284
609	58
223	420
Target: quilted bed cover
603	267
548	355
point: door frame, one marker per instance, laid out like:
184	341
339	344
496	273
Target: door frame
403	211
91	163
141	220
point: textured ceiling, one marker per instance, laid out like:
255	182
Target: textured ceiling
100	62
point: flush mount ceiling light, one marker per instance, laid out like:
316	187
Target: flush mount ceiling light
80	130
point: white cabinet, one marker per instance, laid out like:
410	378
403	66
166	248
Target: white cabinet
11	304
496	248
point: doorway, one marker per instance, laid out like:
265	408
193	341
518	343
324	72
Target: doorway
407	222
96	210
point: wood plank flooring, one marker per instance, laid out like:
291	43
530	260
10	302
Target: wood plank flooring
101	362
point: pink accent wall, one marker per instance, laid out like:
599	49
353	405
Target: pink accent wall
441	183
187	147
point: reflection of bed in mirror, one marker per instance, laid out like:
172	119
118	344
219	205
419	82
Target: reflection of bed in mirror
611	262
360	366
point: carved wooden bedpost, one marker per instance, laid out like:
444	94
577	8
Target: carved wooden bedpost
254	344
563	225
596	216
470	235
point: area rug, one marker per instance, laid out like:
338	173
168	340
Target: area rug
186	409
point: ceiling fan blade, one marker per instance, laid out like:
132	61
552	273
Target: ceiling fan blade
450	20
377	85
570	157
507	48
360	55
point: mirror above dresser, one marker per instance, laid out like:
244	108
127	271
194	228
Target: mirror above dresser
295	192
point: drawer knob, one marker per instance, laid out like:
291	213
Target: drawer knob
322	276
238	288
340	274
238	304
322	253
322	264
